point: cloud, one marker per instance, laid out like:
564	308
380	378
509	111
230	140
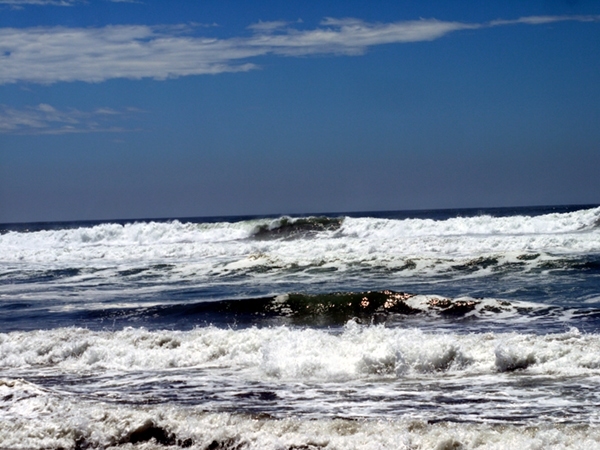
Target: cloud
53	54
542	20
266	27
45	119
48	55
352	36
19	3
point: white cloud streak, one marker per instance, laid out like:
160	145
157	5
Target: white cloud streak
52	54
17	3
542	20
45	119
21	3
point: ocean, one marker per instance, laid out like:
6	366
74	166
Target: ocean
446	330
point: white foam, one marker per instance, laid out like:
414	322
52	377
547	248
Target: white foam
282	353
557	223
206	251
47	420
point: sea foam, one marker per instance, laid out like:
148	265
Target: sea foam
35	418
174	251
358	352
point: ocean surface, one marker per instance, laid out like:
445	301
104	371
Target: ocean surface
454	329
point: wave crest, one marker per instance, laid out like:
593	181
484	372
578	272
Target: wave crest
301	227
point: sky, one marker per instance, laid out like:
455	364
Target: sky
162	109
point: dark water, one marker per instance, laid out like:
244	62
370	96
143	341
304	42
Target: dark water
419	329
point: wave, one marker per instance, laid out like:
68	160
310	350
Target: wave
369	307
35	418
300	355
176	231
301	227
334	309
312	246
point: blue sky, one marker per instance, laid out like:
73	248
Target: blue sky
140	109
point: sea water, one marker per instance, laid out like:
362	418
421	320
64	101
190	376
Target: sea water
455	329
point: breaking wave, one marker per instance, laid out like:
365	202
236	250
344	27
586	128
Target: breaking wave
35	418
283	353
290	228
310	246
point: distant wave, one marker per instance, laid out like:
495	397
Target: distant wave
302	227
323	238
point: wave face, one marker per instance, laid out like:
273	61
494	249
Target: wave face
439	329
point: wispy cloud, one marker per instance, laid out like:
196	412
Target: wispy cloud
266	27
349	36
20	3
39	2
542	20
52	54
45	119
